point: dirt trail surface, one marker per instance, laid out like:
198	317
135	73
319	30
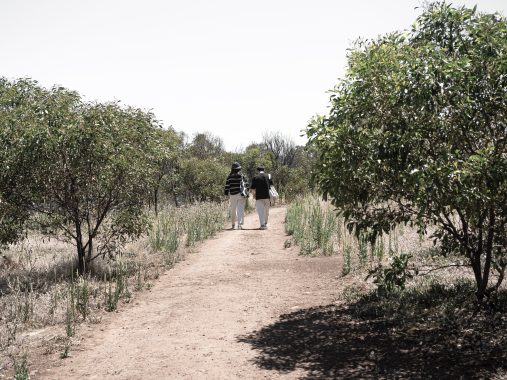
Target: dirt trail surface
200	319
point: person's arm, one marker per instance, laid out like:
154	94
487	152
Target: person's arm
247	186
227	185
252	188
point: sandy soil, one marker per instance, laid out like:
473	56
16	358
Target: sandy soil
198	321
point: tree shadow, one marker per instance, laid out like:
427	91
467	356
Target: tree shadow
62	271
335	342
38	278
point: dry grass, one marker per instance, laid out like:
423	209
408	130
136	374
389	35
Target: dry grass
309	215
40	290
43	301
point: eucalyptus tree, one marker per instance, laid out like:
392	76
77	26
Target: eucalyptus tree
251	157
20	109
167	162
417	133
201	180
82	171
282	149
206	146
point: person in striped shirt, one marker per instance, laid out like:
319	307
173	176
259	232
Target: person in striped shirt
236	187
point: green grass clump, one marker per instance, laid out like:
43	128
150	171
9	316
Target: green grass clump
21	371
318	229
203	221
312	224
166	231
191	224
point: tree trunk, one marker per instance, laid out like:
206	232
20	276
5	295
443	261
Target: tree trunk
81	260
80	249
90	251
475	260
481	289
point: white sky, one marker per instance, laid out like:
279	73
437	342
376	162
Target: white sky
234	68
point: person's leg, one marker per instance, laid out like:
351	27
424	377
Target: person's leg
259	206
266	212
233	203
241	211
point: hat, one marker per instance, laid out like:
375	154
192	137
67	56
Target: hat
235	166
260	167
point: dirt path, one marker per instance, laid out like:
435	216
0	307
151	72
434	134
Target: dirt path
195	321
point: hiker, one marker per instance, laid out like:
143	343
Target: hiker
236	187
260	186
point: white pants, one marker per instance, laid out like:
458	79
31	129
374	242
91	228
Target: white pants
237	207
262	207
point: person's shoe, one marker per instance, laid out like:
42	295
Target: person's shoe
263	228
240	226
232	227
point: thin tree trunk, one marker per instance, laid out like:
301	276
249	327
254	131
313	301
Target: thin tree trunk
475	259
489	250
80	248
81	259
90	251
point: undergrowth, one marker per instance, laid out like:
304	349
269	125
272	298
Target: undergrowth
316	227
41	287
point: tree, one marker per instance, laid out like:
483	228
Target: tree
290	164
20	108
281	148
81	171
206	146
12	220
202	180
167	164
250	158
417	134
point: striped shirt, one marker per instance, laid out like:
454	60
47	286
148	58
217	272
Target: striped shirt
233	184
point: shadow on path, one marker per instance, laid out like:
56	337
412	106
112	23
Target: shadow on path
330	342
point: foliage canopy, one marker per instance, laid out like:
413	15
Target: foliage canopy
417	134
80	169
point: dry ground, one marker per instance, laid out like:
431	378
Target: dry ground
196	322
241	306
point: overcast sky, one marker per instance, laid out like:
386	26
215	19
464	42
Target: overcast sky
234	68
